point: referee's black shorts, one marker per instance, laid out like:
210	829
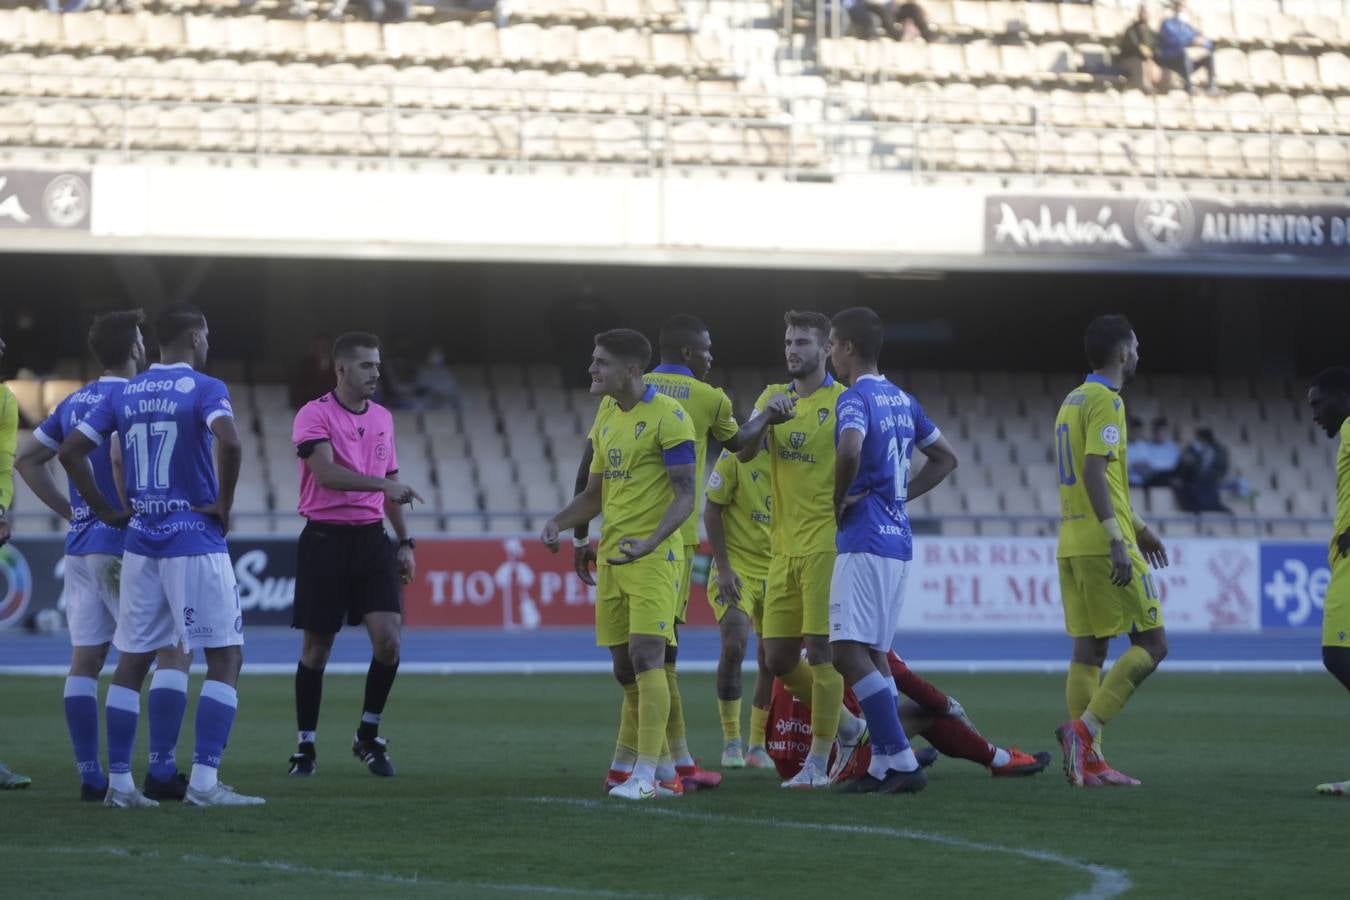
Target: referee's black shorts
343	572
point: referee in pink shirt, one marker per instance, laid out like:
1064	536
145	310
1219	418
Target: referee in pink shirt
346	566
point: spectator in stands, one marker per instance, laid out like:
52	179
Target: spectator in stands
1181	48
1204	463
313	376
436	385
1137	53
1154	461
900	20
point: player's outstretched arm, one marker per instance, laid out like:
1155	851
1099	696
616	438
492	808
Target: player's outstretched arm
584	507
682	478
74	456
728	582
31	463
941	462
779	409
1099	495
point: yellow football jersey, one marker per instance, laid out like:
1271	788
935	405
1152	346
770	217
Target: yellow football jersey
629	456
1091	422
801	461
744	492
9	439
1342	488
709	409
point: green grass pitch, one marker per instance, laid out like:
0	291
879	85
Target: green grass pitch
498	794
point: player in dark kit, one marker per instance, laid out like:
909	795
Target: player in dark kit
347	568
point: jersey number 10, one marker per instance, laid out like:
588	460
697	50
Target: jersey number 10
139	438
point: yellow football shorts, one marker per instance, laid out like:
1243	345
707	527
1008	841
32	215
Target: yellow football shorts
1094	607
686	582
752	598
1336	606
636	598
797	596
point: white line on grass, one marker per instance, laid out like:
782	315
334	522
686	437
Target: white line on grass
1106	882
348	874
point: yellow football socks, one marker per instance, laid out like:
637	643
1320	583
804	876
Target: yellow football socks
625	752
827	698
675	733
799	682
1128	673
1080	687
653	711
759	724
729	711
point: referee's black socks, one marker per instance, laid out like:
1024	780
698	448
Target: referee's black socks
379	682
308	696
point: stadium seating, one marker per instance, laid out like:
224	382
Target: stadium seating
482	469
633	82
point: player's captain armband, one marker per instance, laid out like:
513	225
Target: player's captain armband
681	454
1112	529
1139	524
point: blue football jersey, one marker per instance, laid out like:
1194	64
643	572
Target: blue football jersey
893	424
163	418
87	532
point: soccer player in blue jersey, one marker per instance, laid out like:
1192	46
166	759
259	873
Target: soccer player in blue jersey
93	564
177	582
878	427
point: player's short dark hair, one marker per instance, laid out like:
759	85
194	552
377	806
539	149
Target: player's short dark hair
1104	336
176	320
1335	380
626	343
113	334
679	332
817	322
864	328
348	342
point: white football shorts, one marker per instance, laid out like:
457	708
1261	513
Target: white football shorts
91	598
866	593
192	601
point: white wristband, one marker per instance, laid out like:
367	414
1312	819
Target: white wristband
581	543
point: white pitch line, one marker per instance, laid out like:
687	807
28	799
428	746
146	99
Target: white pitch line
596	667
348	874
1106	882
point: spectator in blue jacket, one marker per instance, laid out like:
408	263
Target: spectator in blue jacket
1176	39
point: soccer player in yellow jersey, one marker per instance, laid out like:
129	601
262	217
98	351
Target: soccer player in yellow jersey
797	596
737	517
1329	398
686	359
1105	550
642	481
9	439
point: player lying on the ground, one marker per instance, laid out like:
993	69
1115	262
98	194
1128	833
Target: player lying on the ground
927	711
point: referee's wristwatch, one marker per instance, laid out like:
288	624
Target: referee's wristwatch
410	543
